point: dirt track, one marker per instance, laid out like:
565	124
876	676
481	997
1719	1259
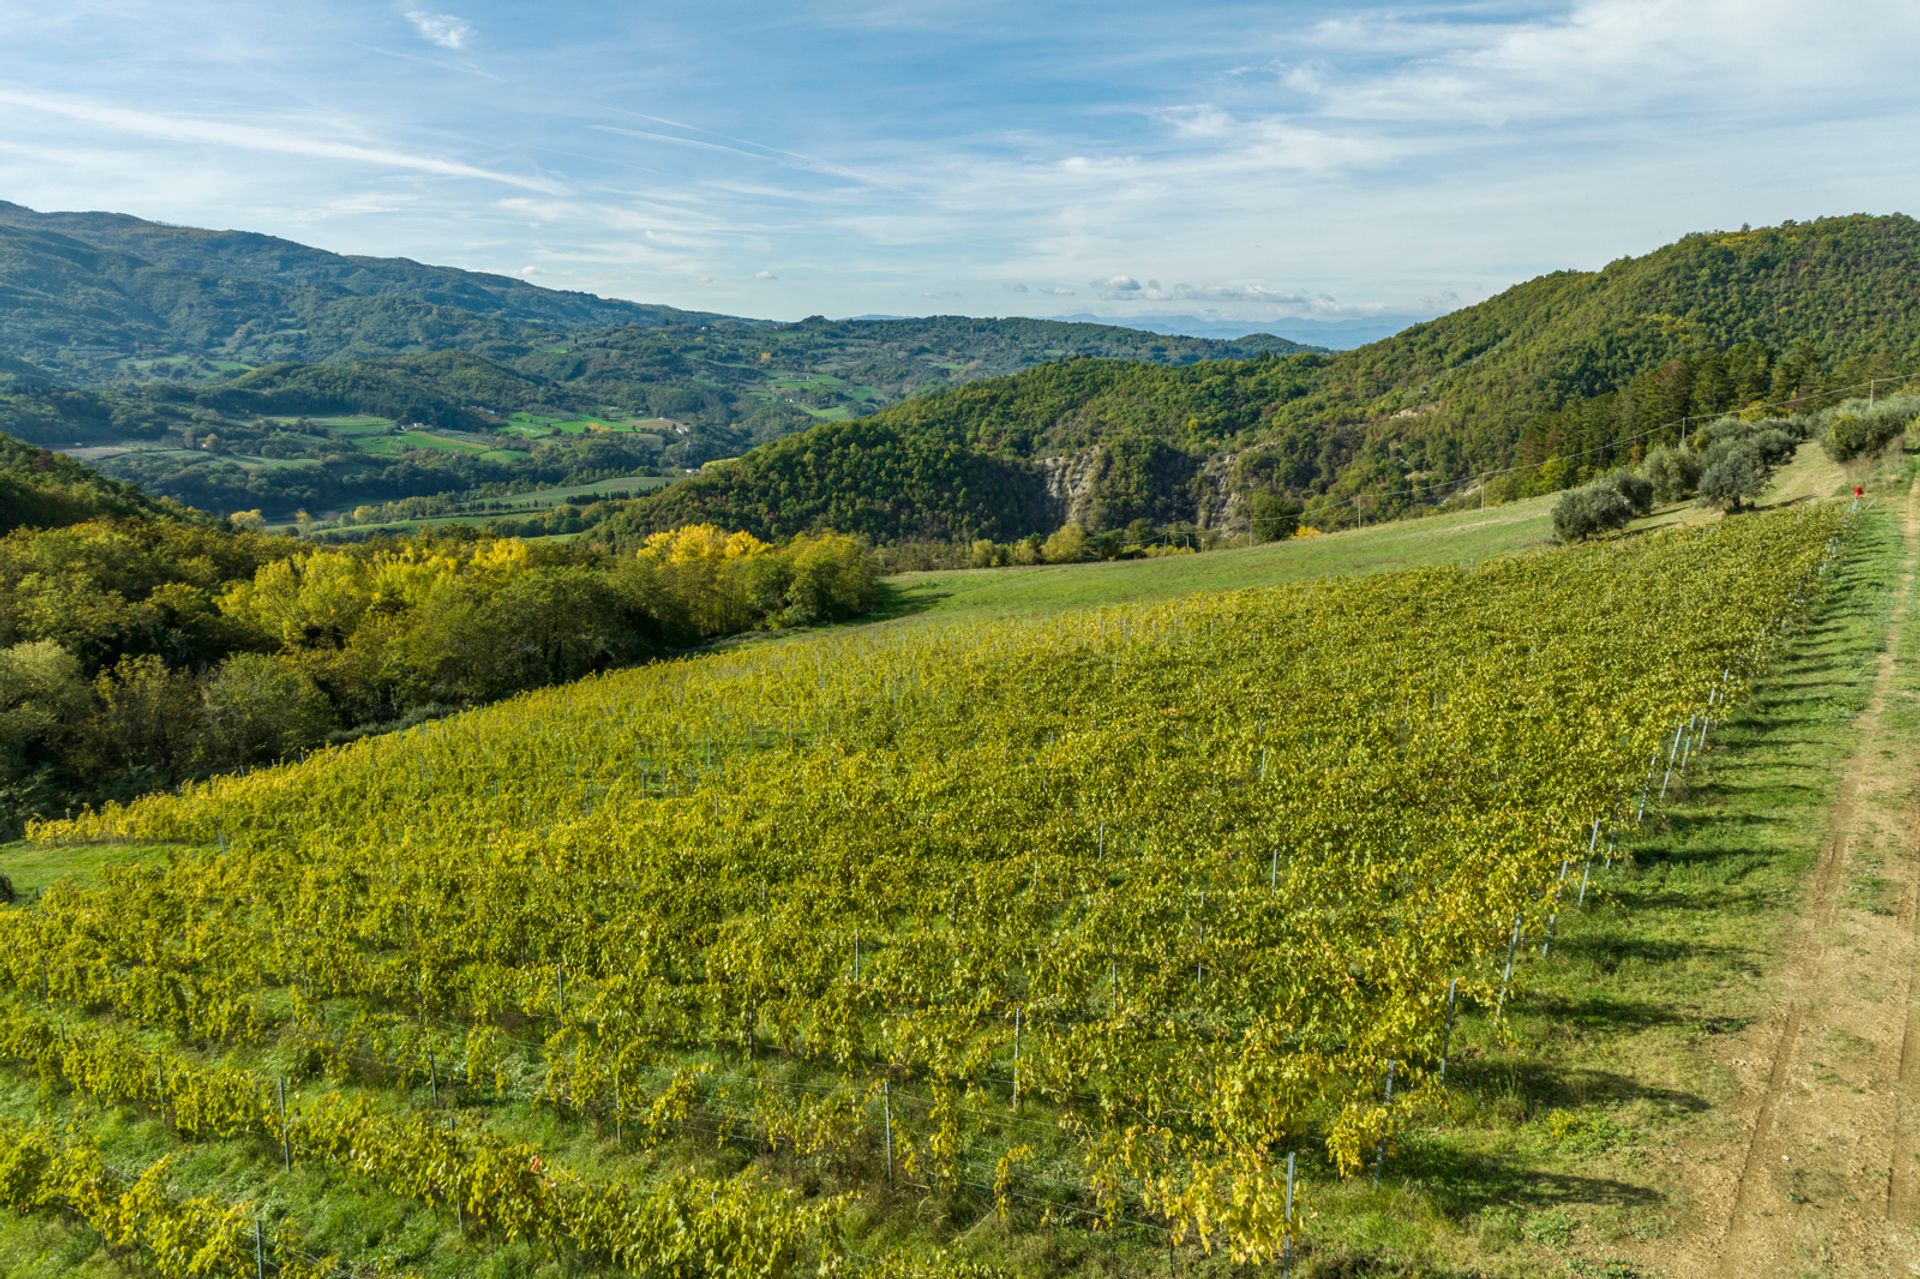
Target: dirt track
1825	1176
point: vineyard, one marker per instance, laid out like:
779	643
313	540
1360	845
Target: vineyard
812	955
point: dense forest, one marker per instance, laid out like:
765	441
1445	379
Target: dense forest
141	644
1553	382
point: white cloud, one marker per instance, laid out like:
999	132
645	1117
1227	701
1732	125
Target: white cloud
1118	284
1239	293
443	29
1199	120
250	137
765	275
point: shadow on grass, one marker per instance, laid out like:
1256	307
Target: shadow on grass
1466	1182
897	602
1544	1085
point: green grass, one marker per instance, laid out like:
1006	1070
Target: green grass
32	869
540	425
386	445
525	503
353	424
1462	538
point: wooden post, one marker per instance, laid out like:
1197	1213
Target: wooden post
1672	752
1016	1057
459	1209
1554	914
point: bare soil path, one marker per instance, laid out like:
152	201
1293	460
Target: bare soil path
1827	1181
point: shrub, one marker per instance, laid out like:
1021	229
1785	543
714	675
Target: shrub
1637	490
1733	472
1275	517
1857	428
1590	510
255	708
1673	472
1067	545
1776	438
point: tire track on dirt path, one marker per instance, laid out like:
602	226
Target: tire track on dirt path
1828	1182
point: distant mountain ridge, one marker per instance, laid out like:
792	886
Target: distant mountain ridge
80	291
1338	335
84	294
203	350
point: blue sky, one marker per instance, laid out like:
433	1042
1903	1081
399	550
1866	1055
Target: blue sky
1257	163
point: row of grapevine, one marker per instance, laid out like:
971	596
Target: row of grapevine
1180	882
196	1237
686	1225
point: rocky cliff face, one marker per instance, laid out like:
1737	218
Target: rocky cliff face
1216	501
1219	503
1070	480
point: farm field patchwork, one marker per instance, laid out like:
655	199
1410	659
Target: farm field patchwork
538	425
1076	920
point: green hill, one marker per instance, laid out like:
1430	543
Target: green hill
42	489
1554	380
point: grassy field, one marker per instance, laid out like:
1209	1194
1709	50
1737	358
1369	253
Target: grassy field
522	503
353	424
32	869
535	426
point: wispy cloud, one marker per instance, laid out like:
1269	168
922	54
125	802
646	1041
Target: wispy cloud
250	137
1260	161
443	29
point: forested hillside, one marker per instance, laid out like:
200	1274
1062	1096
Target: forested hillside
141	643
1555	380
42	489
